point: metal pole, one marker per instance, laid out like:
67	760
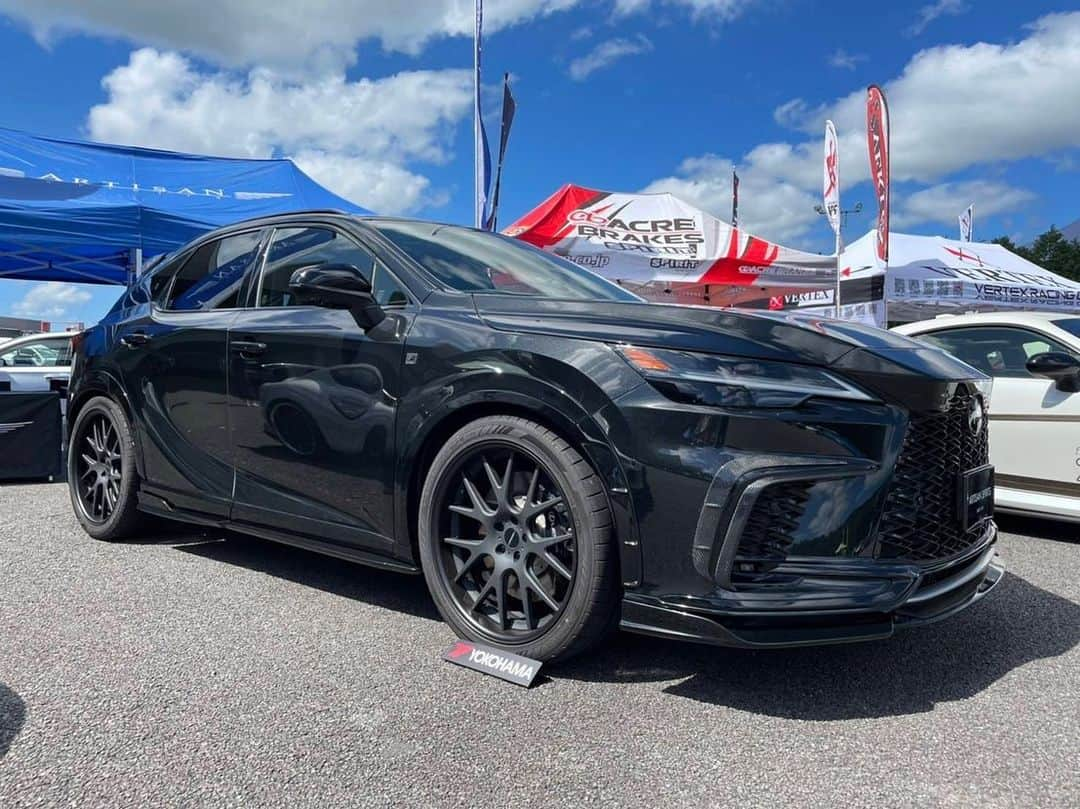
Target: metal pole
478	167
839	247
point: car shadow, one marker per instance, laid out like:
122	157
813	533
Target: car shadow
12	717
1038	527
909	673
400	592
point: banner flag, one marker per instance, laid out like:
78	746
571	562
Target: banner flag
877	140
831	199
967	224
482	157
509	107
832	178
734	199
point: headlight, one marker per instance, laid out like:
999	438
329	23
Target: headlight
736	381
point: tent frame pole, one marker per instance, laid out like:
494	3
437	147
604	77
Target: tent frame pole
135	265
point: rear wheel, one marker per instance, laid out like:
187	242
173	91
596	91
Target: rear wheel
515	540
102	477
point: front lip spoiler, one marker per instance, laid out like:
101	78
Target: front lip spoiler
937	595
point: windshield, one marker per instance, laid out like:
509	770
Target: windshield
1071	325
475	261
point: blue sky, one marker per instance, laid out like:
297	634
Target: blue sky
373	99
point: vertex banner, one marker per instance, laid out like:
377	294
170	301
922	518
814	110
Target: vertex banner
642	238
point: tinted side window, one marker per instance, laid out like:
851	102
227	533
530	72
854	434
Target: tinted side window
293	248
211	277
1001	351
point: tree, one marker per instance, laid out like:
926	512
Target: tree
1050	250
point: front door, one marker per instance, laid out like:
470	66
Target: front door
172	360
313	399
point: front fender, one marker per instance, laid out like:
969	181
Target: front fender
560	383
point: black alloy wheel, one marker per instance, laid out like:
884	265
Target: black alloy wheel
99	467
102	474
515	540
508	554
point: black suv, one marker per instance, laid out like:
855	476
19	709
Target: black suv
554	455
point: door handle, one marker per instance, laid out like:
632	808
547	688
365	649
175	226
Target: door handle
135	339
248	347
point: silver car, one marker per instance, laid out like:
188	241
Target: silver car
32	363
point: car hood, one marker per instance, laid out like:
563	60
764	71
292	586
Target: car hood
882	360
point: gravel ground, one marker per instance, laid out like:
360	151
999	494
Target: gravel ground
205	670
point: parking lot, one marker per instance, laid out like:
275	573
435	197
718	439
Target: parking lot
203	669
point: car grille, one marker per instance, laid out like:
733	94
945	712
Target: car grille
920	520
777	511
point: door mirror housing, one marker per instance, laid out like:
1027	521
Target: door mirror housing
1063	369
337	286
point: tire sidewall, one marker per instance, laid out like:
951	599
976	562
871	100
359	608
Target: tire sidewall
533	440
122	515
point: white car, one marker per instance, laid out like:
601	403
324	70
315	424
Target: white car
32	363
1034	359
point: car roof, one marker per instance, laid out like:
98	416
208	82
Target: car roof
325	214
1033	319
41	336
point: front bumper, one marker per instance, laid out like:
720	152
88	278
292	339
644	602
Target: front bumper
823	601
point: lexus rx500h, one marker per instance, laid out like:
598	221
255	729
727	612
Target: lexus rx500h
554	456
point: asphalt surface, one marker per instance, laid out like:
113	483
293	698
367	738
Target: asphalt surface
202	670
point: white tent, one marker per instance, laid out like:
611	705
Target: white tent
930	275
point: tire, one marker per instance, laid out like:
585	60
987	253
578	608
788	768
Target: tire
514	614
102	434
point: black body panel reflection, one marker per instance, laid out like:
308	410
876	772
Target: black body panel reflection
312	418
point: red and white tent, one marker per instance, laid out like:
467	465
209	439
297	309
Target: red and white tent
650	238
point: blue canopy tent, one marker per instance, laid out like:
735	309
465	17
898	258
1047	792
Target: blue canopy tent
91	212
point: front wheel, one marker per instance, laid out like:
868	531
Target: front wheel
102	477
516	540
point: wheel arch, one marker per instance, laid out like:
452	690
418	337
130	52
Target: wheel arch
102	383
583	435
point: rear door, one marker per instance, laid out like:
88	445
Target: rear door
313	398
172	361
1034	427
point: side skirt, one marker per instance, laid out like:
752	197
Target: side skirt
159	508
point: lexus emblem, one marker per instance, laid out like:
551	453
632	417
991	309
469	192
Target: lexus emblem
976	416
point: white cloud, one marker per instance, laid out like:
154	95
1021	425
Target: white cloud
943	203
356	137
775	209
51	300
283	34
715	10
953	107
845	61
942	8
606	54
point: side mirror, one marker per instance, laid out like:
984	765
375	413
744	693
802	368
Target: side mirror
1063	369
337	286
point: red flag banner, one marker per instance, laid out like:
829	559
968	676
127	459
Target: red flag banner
877	140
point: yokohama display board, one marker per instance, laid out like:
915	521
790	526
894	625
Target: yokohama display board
646	238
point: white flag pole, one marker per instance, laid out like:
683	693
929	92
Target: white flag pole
478	156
